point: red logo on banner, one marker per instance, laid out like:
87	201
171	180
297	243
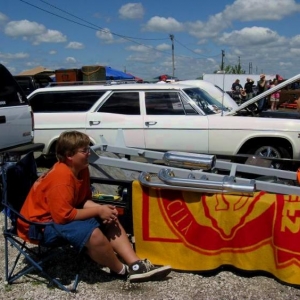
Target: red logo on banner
234	224
220	235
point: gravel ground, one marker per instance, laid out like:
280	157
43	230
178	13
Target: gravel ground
97	284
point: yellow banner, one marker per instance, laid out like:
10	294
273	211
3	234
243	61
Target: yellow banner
197	232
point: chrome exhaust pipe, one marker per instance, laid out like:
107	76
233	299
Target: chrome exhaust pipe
227	186
189	160
228	183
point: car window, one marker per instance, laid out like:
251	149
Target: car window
10	93
125	103
66	101
166	103
205	101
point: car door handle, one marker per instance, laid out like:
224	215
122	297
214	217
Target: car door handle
2	119
150	123
94	123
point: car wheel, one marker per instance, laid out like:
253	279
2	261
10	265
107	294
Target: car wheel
271	151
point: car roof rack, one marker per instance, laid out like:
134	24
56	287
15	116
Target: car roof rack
99	82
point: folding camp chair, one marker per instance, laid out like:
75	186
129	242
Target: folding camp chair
17	179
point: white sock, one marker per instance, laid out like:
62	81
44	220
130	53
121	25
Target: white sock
123	271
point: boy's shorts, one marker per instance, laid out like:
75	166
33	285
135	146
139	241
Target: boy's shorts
76	233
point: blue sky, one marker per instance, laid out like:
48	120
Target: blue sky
135	36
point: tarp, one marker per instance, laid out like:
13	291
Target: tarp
113	74
196	232
38	70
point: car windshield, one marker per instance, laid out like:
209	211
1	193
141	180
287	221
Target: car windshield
205	101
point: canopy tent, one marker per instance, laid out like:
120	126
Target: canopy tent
38	70
113	74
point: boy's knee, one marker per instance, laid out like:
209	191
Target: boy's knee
97	238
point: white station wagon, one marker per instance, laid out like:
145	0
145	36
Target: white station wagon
160	117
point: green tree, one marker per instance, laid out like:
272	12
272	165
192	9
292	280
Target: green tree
236	69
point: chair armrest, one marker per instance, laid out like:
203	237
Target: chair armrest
20	216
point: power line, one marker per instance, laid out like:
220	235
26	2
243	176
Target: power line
100	28
94	28
204	56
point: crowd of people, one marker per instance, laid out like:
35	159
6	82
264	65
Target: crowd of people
241	94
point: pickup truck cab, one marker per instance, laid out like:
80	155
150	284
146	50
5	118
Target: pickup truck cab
161	117
16	117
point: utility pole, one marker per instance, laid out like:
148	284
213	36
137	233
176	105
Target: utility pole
250	67
222	63
173	63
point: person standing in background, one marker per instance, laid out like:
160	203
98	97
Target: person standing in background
249	88
236	91
262	86
273	97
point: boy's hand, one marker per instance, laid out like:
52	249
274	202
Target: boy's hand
108	213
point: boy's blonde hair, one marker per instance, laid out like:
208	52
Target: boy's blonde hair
69	142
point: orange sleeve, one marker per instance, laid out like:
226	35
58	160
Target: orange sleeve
298	176
60	199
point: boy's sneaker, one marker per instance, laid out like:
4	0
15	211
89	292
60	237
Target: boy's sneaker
143	270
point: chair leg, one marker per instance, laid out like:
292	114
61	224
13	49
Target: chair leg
21	247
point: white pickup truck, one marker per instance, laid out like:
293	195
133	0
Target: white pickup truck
16	118
163	117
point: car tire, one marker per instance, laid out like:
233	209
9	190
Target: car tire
271	151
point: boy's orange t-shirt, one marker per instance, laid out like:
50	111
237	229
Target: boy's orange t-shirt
55	197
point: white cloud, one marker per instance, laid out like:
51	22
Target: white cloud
19	55
285	64
163	24
31	64
149	57
36	33
251	10
211	60
241	10
75	45
138	48
295	51
132	11
199	51
295	41
52	52
3	18
105	35
163	47
250	37
50	36
71	60
24	28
